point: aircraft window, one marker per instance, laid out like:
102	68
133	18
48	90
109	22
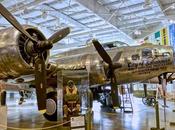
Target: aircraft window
135	57
114	44
146	53
166	54
110	45
156	52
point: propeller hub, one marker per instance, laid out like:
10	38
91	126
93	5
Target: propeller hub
44	45
33	48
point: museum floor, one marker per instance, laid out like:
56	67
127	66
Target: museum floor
142	118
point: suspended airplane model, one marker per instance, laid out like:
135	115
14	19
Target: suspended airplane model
25	51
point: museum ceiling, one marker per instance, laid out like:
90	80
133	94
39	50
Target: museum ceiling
106	20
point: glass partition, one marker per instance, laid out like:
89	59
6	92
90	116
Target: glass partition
73	91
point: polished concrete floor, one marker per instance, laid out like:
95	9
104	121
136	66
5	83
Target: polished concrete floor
143	117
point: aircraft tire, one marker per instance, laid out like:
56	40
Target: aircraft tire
51	107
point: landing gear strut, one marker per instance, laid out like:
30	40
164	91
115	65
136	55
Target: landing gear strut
163	81
3	98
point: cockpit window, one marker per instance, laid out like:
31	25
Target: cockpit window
114	44
146	53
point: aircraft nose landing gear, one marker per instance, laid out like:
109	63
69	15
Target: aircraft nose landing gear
51	107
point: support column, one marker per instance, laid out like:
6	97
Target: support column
173	123
157	117
145	90
59	96
164	84
3	107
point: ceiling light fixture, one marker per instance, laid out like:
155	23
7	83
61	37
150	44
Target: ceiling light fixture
171	21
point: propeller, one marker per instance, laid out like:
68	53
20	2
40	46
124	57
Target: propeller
38	48
104	55
40	82
10	18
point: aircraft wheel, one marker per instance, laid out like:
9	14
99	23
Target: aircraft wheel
144	100
51	107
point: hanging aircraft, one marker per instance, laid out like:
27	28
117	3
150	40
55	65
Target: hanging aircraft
25	50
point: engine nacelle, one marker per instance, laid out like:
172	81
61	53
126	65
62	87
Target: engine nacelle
14	57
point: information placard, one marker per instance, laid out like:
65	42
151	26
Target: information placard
78	128
78	121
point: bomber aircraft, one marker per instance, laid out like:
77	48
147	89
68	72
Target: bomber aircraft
24	51
120	65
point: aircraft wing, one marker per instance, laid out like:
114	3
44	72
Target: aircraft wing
77	66
74	62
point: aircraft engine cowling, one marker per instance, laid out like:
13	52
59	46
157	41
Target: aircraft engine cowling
15	48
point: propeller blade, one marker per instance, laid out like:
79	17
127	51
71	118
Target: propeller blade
117	56
59	35
40	82
107	59
101	51
9	17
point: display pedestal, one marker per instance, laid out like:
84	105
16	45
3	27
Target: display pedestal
157	118
3	119
172	123
81	122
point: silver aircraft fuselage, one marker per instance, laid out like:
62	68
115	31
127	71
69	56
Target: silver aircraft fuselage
139	63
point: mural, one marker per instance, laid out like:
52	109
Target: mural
172	35
165	36
157	38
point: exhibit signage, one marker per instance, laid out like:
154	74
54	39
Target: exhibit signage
77	123
164	36
157	37
172	35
